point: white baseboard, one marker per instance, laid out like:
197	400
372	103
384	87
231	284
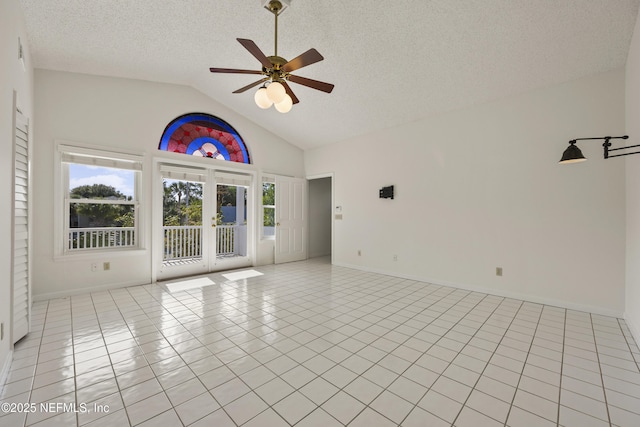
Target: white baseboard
513	295
70	292
6	367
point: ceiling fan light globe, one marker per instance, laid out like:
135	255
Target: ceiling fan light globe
285	105
262	99
276	92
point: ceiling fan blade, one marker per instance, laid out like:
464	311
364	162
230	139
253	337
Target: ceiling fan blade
309	57
249	86
234	71
255	51
314	84
294	98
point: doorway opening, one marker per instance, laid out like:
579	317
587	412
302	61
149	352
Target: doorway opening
320	216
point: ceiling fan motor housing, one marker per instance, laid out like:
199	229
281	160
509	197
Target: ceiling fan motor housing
276	6
277	62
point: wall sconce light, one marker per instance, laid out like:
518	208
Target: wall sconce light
573	154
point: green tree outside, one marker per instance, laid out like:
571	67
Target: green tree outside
269	199
100	214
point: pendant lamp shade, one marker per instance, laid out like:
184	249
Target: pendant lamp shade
276	92
285	105
262	99
572	155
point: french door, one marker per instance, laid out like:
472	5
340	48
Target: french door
232	221
206	221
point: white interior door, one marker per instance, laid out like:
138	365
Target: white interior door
291	222
21	280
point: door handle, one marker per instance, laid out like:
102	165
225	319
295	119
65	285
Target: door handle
278	224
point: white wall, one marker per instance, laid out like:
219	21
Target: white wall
13	77
120	114
481	188
319	217
632	313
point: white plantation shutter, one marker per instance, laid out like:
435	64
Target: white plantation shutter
21	300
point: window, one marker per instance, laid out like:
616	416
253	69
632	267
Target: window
100	200
204	135
268	208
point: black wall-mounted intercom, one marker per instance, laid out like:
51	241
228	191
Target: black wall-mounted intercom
386	192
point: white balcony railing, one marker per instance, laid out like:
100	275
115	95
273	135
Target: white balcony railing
101	238
226	239
182	242
185	242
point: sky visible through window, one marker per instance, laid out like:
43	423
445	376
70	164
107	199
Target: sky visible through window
120	179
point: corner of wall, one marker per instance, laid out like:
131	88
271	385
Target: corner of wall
632	111
635	331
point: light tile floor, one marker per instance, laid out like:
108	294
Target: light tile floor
310	344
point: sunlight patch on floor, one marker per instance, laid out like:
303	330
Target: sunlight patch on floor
239	275
184	285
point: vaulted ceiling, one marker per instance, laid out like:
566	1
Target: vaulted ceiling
392	62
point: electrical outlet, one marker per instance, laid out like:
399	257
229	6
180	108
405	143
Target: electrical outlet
395	257
106	266
94	266
498	271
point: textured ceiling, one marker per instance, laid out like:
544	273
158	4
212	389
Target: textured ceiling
391	62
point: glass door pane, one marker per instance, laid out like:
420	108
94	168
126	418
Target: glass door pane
231	226
182	222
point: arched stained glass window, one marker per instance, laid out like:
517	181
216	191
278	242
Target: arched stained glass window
204	135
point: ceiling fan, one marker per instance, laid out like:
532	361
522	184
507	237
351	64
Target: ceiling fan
277	71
